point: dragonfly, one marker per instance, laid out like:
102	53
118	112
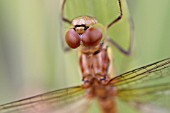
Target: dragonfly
146	88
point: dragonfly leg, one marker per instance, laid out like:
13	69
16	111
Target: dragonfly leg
65	49
126	52
62	13
118	18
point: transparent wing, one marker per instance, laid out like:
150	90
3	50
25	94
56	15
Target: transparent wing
146	85
59	101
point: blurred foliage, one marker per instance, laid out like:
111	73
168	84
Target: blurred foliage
31	57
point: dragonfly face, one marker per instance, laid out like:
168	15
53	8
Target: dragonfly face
83	33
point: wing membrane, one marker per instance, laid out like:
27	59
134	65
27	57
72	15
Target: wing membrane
148	85
44	103
143	74
154	97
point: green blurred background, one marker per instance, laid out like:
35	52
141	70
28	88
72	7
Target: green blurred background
31	58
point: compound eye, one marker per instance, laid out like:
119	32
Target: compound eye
91	37
72	38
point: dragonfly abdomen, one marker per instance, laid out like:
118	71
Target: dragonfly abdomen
107	104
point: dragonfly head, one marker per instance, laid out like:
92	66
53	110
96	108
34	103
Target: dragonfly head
84	32
82	23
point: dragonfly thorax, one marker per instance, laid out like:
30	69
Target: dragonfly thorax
94	65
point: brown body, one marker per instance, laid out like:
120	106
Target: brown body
94	60
94	63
